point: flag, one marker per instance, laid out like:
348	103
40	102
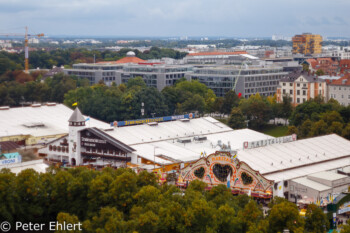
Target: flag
280	191
75	104
228	180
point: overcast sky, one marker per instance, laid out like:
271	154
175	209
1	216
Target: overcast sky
233	18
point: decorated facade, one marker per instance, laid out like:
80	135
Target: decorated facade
224	168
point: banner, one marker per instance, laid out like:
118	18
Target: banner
265	142
149	120
5	162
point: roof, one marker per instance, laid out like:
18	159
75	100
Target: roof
40	121
8	145
312	184
37	165
76	116
125	60
327	175
299	158
11	155
110	139
292	77
343	81
216	53
161	140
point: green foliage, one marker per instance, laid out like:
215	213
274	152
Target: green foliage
122	201
237	120
315	220
257	110
320	72
285	215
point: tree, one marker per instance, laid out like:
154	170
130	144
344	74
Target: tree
285	215
335	127
292	130
346	131
108	220
315	220
319	128
66	218
8	198
237	120
305	129
256	110
230	100
320	72
123	189
196	103
286	108
136	82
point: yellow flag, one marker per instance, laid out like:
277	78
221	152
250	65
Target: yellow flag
75	104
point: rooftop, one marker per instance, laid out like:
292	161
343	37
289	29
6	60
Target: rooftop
327	175
44	120
312	184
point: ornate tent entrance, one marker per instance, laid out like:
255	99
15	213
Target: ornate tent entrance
223	168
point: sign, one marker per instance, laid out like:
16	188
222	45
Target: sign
92	141
149	120
5	162
271	141
344	208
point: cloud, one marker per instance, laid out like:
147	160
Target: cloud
177	17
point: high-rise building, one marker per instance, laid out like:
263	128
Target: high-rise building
307	43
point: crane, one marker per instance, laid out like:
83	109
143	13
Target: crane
238	76
26	51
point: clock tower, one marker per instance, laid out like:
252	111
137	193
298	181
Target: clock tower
76	123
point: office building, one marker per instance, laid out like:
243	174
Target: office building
251	78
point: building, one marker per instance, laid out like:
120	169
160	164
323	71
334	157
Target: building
301	87
218	57
340	90
327	65
318	185
307	43
154	74
344	66
37	124
149	144
251	79
289	161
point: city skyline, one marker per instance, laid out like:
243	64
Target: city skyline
178	18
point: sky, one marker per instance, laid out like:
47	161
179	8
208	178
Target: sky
227	18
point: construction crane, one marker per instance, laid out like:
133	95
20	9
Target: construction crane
238	76
26	50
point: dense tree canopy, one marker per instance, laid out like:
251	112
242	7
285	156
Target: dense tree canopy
122	201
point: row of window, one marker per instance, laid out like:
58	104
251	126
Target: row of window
342	96
58	149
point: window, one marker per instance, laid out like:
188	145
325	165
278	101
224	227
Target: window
349	97
284	92
304	100
342	96
290	84
298	92
339	88
304	92
298	100
291	92
284	84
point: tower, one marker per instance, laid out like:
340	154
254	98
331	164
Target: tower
76	123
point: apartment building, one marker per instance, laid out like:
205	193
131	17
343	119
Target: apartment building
307	43
326	64
340	90
251	79
301	87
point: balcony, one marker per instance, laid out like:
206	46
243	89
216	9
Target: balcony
95	155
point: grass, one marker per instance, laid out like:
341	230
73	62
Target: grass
275	130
